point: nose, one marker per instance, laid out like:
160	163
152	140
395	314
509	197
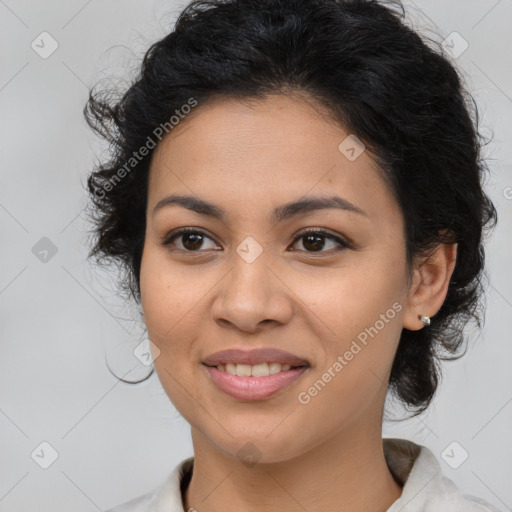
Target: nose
252	297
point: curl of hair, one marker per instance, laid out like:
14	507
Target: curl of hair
376	77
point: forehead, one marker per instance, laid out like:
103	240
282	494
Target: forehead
254	154
226	128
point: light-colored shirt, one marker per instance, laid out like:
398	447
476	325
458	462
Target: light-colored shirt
425	489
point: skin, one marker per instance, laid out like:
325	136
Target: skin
313	302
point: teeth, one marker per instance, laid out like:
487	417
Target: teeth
256	370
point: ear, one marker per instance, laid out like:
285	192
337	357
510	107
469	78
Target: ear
429	285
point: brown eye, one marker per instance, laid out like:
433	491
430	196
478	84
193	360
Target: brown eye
192	239
314	241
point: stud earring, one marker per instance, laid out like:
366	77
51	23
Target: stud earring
425	320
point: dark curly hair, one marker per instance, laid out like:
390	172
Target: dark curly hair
396	91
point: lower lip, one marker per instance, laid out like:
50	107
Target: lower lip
253	388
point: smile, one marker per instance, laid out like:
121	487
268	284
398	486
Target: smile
256	370
239	381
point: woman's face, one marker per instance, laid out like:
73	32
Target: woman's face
251	280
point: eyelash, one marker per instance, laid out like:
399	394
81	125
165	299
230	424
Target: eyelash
343	243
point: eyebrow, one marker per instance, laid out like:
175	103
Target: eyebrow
280	213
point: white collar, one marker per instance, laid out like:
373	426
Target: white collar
425	489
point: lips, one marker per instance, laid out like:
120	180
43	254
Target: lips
251	389
253	357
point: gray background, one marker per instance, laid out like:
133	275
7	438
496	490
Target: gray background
57	317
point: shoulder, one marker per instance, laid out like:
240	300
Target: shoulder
425	488
445	495
139	504
166	497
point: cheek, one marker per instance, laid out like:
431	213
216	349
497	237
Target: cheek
176	317
352	297
168	299
356	312
168	295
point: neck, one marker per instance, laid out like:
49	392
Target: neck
347	472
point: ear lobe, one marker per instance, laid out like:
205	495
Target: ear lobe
430	285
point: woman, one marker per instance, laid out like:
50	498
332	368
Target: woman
295	193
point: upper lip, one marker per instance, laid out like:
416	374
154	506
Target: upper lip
254	356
